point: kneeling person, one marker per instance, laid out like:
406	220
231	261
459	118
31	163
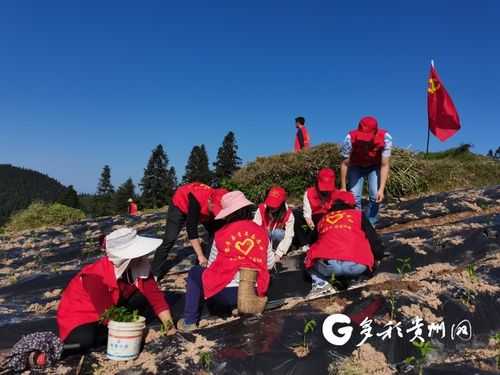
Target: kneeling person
238	265
122	277
277	219
346	244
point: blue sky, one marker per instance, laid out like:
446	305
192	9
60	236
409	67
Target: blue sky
90	83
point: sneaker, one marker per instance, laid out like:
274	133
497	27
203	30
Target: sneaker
182	326
320	289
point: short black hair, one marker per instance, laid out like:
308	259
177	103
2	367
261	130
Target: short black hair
301	120
245	213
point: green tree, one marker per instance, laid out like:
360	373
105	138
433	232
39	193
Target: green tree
158	182
197	169
497	153
69	197
104	194
227	161
122	195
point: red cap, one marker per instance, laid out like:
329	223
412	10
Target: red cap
326	179
276	197
345	197
215	198
367	128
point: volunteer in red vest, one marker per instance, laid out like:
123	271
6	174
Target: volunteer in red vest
132	207
346	244
302	139
366	152
122	277
192	204
240	243
277	218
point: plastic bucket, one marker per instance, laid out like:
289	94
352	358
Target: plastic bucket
125	339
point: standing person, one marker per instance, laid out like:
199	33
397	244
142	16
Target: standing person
277	218
192	204
122	277
366	152
302	139
318	200
346	244
241	248
132	207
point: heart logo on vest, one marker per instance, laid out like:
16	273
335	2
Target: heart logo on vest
334	219
245	246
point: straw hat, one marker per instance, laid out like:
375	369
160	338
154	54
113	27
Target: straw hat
124	243
232	202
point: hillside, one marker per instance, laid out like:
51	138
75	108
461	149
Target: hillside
449	242
411	173
19	187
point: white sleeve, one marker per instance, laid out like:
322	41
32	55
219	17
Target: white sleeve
257	219
213	254
285	244
270	256
307	207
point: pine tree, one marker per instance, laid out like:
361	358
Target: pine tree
104	195
497	153
122	195
228	161
104	187
69	197
490	154
197	169
158	182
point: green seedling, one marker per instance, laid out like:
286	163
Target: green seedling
471	271
392	302
309	326
424	349
120	314
403	266
496	337
336	283
165	328
206	360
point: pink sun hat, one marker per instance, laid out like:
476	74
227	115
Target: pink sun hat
232	202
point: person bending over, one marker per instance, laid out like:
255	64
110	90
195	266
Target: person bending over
192	204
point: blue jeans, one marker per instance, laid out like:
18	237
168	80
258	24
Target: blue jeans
324	269
356	176
276	236
227	297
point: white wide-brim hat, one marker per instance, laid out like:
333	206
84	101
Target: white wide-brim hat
124	243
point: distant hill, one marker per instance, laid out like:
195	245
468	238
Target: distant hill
19	187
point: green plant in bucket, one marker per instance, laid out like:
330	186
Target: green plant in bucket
120	314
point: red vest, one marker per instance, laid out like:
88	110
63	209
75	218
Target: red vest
367	154
202	194
93	290
307	139
279	224
341	238
242	244
317	206
132	208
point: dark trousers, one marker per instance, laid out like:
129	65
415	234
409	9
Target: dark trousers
175	222
303	235
222	302
94	335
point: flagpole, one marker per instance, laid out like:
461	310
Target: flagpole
428	125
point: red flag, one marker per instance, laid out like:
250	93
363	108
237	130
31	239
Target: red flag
443	116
